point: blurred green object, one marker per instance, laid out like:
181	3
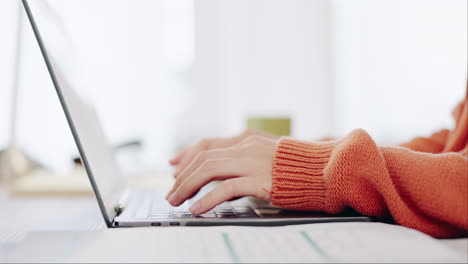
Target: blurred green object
277	126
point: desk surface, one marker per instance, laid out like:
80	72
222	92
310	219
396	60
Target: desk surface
26	214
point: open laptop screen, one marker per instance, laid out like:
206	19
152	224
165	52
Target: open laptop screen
92	144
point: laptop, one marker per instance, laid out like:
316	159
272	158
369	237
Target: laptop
124	207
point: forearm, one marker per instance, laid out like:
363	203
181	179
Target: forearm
419	190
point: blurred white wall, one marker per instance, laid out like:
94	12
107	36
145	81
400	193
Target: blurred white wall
399	66
261	58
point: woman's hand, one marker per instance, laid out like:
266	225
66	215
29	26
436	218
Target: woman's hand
244	163
186	156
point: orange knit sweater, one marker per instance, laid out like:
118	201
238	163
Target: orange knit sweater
422	184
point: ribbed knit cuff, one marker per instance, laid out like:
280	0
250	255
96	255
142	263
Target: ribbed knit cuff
298	174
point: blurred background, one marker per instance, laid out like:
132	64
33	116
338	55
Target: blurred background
169	72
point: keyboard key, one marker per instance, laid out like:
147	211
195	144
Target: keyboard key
242	209
181	216
247	215
142	214
206	215
221	211
180	208
224	212
179	211
160	216
162	213
226	215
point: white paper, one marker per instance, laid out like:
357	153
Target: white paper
328	242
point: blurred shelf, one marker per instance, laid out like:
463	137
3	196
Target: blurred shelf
45	183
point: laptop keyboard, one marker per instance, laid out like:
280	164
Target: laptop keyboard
152	205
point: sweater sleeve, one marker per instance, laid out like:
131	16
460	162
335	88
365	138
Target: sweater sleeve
420	190
433	144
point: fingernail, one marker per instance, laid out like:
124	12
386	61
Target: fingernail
171	198
195	209
171	191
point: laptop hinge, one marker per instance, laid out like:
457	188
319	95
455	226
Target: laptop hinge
118	209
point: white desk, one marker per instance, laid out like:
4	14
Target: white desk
21	215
